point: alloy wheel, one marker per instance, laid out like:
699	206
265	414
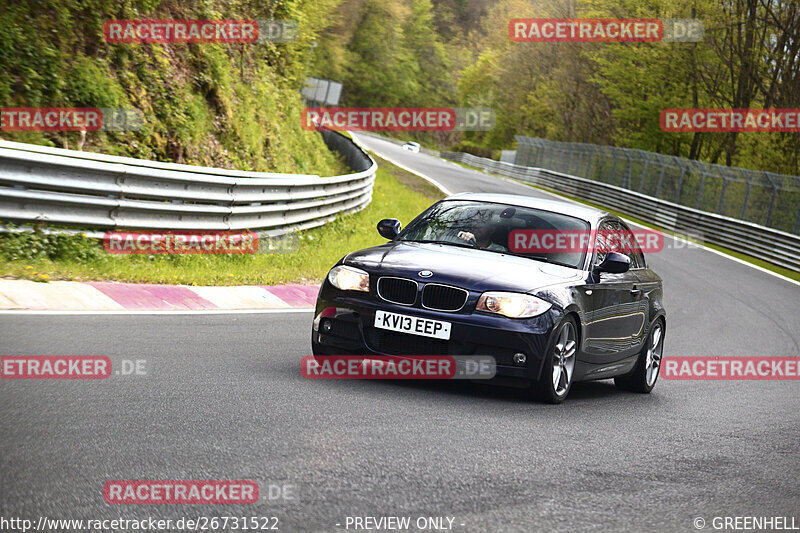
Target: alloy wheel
564	359
653	356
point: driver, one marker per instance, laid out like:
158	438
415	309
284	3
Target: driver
481	234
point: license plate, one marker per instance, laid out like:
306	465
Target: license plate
414	325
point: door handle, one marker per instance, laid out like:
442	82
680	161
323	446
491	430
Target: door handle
635	291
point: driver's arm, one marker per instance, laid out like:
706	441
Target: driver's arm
466	236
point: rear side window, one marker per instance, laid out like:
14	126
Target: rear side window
636	256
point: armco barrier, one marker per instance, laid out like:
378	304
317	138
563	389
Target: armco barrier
777	247
764	198
66	187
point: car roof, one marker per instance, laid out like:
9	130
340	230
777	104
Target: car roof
576	210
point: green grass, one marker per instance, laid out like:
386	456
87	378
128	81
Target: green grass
791	274
397	194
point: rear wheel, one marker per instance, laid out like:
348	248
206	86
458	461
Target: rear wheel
645	373
559	364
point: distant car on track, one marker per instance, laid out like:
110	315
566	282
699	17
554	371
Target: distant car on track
549	320
411	147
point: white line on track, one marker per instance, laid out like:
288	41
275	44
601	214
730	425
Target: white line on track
401	165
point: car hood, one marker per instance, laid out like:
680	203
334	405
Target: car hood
476	270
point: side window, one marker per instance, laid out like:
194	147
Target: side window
606	225
636	257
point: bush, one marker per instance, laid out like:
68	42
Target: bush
479	151
30	246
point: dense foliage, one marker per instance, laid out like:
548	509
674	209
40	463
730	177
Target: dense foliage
225	105
457	52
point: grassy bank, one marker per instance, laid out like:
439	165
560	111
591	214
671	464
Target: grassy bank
39	257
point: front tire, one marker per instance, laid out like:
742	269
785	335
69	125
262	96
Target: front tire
559	364
648	365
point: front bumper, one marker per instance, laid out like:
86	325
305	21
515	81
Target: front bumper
344	325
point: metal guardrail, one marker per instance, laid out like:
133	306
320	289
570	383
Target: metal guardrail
66	187
774	246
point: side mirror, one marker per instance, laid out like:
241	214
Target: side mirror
614	263
389	228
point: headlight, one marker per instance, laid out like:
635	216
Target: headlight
349	278
512	304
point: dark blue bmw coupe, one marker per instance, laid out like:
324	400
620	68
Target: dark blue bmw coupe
451	283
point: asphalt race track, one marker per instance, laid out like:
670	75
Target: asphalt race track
223	398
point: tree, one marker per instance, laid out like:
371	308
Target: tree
421	39
381	71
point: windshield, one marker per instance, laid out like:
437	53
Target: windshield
487	226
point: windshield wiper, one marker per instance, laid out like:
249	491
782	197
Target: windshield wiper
449	243
543	259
